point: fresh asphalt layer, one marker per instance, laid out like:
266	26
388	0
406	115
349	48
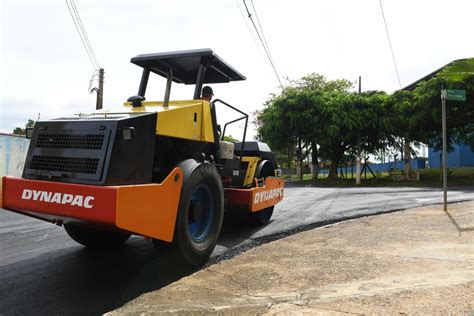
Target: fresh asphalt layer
42	271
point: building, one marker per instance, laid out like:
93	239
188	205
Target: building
461	156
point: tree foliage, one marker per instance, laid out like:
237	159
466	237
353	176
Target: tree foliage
22	131
421	108
229	138
324	117
459	115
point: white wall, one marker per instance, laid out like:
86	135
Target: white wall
13	151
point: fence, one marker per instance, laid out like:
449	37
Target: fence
376	167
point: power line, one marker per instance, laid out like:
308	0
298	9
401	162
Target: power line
263	44
95	77
248	27
254	39
85	33
261	29
390	44
82	33
265	48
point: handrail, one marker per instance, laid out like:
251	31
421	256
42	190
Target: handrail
228	123
245	116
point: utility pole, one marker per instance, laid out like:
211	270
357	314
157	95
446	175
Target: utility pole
444	96
359	147
100	92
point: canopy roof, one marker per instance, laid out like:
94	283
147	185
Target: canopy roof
185	66
464	66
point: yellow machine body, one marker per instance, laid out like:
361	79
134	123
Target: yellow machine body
187	119
251	169
191	120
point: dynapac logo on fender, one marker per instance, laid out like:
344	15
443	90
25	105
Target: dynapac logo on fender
59	198
267	195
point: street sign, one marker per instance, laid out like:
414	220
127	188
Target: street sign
456	95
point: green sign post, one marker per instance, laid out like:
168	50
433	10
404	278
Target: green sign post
456	95
450	95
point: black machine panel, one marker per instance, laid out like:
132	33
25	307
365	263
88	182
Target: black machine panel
79	149
254	149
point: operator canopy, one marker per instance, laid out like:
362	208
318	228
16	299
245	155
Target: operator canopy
185	66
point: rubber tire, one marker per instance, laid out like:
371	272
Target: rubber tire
264	169
94	238
191	252
262	217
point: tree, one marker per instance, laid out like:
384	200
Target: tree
312	90
22	131
317	82
419	111
345	116
18	131
283	124
231	139
405	125
290	122
324	117
460	115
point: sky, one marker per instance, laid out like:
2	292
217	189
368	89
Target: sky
44	69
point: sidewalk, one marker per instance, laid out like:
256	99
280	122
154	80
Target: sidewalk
415	261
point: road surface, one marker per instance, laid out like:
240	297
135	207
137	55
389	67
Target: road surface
42	271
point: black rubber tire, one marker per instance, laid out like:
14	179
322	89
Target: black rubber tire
94	238
192	251
264	169
262	217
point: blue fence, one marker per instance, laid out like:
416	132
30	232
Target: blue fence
380	167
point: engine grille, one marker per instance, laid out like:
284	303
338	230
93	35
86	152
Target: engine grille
63	141
65	164
92	149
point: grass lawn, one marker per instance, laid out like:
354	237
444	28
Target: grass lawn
428	178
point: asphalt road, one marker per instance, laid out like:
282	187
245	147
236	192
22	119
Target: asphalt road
42	271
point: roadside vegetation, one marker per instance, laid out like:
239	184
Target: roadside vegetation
324	121
428	178
22	131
